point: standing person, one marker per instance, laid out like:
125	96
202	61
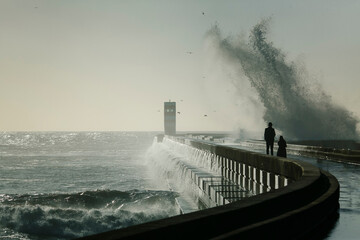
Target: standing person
281	152
269	138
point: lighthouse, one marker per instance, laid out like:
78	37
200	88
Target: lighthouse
170	118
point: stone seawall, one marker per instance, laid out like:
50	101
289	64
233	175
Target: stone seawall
297	200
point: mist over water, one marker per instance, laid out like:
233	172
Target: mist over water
290	98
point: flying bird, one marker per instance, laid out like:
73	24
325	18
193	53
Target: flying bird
189	52
178	112
205	115
203	13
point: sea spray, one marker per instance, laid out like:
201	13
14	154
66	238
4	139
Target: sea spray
295	103
166	167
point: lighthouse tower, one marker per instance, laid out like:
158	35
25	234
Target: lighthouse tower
170	118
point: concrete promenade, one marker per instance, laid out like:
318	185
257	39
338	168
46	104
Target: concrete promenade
339	152
295	200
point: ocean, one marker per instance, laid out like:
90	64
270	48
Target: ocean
63	185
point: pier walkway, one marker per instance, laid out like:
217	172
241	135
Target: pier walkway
294	199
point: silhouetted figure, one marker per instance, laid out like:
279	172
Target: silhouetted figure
282	147
269	138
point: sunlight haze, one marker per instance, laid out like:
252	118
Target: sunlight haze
110	65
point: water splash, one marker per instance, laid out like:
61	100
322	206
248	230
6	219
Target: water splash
294	102
72	215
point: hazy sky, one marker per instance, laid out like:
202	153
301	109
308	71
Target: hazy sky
70	65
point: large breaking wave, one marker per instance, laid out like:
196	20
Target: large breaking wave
292	101
70	215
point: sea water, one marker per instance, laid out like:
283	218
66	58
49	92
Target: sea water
63	185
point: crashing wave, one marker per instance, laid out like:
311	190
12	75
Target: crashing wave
65	216
292	101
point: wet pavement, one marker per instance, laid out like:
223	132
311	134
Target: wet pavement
348	175
348	224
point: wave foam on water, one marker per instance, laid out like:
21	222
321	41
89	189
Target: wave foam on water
65	216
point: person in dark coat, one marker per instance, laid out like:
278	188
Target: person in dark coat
282	147
269	138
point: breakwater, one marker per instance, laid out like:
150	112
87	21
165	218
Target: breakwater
292	199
